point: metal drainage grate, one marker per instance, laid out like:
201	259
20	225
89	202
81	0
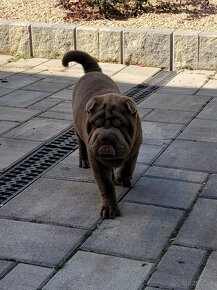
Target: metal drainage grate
29	169
141	91
33	166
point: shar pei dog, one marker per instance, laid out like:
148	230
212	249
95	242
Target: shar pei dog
108	129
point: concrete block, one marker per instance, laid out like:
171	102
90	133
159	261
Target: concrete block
99	272
20	39
25	277
42	40
185	45
184	154
208	279
149	47
37	243
199	230
178	268
110	45
207	50
87	39
137	234
63	39
4	37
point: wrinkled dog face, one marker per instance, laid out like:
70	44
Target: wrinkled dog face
110	126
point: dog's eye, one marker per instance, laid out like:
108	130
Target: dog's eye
99	122
116	123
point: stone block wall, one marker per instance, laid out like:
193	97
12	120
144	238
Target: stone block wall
147	47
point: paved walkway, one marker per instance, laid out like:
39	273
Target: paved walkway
51	235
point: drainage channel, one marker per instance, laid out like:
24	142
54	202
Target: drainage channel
22	174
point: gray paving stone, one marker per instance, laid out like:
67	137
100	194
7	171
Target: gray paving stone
176	101
162	192
200	130
37	243
16	114
111	68
177	174
46	86
56	115
145	71
12	151
5	266
25	277
123	78
58	202
210	111
22	98
159	133
38	129
209	89
186	82
138	233
148	153
6	125
19	81
192	155
64	94
200	228
178	268
170	116
5	91
64	107
45	104
208	279
99	272
153	288
144	112
210	190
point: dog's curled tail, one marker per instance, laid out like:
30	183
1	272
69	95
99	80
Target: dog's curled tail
88	62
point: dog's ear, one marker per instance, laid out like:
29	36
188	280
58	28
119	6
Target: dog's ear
131	106
90	105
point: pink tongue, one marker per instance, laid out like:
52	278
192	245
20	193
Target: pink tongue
106	150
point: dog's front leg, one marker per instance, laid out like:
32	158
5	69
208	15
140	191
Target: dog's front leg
103	178
125	172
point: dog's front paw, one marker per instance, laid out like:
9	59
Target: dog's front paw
84	163
125	181
109	210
